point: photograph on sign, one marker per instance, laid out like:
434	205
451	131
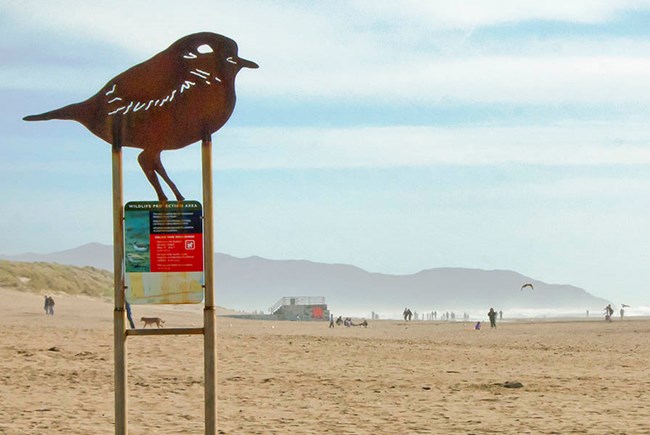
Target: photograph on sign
163	252
137	236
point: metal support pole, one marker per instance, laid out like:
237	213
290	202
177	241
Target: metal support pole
209	312
119	313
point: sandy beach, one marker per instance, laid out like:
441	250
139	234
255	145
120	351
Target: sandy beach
56	375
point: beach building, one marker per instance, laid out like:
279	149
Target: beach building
300	308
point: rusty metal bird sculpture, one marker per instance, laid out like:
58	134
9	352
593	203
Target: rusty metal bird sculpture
527	285
178	97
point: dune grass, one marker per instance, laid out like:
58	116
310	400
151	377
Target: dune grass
49	278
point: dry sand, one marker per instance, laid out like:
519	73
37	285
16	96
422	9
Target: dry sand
56	375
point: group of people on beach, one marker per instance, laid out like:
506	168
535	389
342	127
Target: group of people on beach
609	312
49	305
492	315
347	322
409	315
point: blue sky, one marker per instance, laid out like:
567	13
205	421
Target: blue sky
395	136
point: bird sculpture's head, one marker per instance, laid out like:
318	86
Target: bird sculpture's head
216	50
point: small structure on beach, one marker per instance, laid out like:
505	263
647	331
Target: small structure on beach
300	308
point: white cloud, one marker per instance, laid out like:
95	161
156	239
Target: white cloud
469	13
522	80
145	28
319	52
259	148
250	148
511	80
142	26
593	187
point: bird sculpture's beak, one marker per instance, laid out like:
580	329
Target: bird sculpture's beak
247	63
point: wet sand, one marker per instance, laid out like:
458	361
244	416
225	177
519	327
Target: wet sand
56	375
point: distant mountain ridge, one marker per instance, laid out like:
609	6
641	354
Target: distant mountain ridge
90	254
255	283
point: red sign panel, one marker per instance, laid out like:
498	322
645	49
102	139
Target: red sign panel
176	252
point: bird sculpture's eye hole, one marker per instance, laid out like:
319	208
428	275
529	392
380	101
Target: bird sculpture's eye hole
204	49
230	59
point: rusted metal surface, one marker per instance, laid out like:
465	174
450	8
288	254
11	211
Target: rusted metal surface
176	98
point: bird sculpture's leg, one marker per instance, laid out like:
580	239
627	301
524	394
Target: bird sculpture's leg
148	165
161	171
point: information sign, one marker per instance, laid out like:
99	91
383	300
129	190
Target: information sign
163	252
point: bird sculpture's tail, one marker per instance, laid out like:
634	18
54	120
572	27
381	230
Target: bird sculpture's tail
68	112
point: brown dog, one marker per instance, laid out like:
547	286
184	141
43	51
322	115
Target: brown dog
151	320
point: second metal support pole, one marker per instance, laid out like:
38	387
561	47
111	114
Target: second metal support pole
209	312
119	313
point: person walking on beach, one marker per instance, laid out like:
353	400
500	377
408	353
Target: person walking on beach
50	305
493	318
331	320
500	314
127	305
622	313
46	306
608	312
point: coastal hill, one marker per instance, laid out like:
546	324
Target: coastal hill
256	283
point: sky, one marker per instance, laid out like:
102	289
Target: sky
394	136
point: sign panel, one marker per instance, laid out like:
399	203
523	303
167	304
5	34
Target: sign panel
163	252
